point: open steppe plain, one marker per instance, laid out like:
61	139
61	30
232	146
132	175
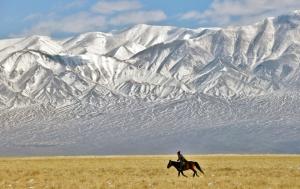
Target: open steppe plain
138	172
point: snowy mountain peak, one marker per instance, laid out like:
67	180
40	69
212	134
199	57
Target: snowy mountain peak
223	90
155	62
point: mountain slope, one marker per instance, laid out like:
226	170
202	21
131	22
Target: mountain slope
220	88
160	62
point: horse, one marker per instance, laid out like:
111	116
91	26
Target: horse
187	165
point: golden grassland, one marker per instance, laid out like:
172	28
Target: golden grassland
222	171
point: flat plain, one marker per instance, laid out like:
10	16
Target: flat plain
138	172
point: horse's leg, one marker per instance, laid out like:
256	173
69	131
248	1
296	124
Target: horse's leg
183	174
179	173
195	172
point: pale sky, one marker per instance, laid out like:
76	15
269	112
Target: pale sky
69	17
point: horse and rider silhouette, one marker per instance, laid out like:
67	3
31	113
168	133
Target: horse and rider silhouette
183	165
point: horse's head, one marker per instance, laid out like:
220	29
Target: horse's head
169	164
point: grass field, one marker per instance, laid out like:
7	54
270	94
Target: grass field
230	171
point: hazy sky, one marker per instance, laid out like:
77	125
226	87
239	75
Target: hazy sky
68	17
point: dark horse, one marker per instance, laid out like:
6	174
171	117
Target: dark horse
187	165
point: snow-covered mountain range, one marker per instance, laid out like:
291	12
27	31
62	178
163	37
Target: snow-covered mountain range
217	77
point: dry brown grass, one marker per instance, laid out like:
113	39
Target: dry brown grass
233	172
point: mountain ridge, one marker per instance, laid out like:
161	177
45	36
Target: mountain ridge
229	62
153	89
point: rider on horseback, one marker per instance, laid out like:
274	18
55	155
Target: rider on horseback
181	159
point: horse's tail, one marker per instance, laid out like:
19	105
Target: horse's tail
199	168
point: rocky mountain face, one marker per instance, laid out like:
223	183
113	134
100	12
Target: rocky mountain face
237	73
153	62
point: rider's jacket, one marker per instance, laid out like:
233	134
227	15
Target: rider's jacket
181	158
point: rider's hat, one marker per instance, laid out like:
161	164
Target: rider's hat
178	152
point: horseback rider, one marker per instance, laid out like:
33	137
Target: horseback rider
181	159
